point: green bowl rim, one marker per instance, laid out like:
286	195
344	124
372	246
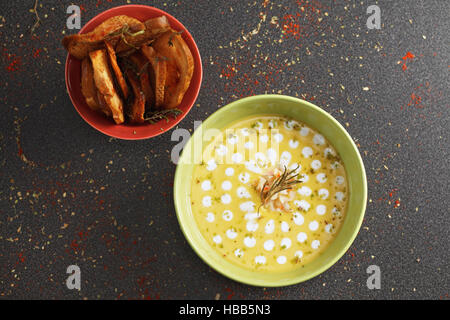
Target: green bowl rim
294	280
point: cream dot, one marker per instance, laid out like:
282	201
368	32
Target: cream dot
264	138
232	139
222	150
252	166
298	219
207	201
301	237
319	139
245	132
339	196
243	193
321	209
294	144
244	177
324	194
307	152
226	199
304	131
285	226
286	243
249	242
270	227
329	228
313	226
231	234
257	125
335	211
206	185
304	191
278	137
328	152
217	239
237	157
252	226
272	124
248	206
227	215
260	260
249	145
295	166
260	157
299	254
302	204
315	244
316	164
239	253
272	156
340	180
229	172
252	216
210	217
321	178
285	158
269	245
335	165
211	165
304	177
281	260
290	124
226	185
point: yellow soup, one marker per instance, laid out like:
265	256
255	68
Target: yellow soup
227	203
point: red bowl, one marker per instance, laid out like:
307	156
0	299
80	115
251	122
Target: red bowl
125	131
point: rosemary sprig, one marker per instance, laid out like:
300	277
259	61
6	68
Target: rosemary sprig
285	181
157	116
123	32
38	19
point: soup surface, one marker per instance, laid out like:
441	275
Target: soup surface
227	202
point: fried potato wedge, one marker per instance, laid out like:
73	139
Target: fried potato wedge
103	106
142	69
172	46
88	88
153	28
158	73
172	81
79	45
104	82
118	73
136	110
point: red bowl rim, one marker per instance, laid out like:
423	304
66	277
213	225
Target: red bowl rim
172	122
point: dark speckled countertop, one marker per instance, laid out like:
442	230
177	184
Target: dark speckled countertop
72	196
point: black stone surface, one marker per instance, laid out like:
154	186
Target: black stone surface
72	196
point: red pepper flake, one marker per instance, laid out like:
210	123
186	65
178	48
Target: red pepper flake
36	53
407	56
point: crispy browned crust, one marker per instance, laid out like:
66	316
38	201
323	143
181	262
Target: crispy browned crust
172	46
103	106
88	88
105	84
79	46
118	73
157	72
137	109
142	66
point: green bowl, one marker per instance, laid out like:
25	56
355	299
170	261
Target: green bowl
317	119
